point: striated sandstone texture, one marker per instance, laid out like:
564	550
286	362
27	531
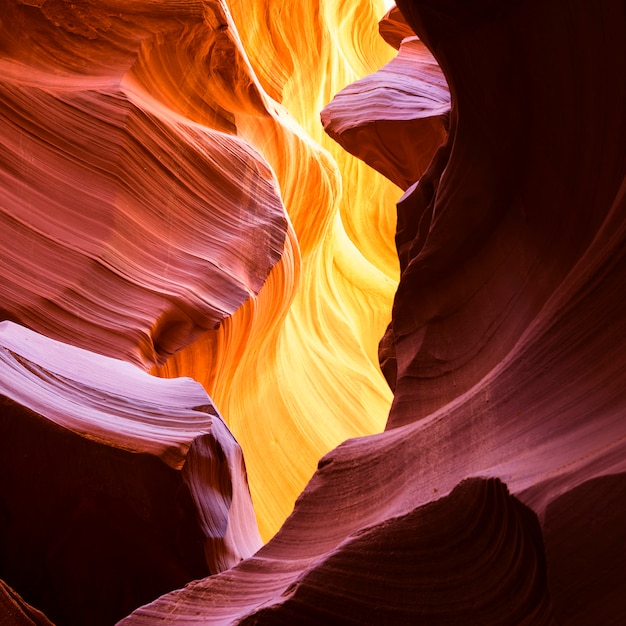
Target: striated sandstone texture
115	486
127	228
295	370
495	494
477	552
396	118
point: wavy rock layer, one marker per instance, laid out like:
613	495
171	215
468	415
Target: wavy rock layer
505	348
115	486
503	232
157	136
476	555
127	228
396	118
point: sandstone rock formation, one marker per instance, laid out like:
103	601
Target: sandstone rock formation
507	332
396	118
295	371
495	493
115	486
127	228
166	126
397	572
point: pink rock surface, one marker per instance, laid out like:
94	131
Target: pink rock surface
498	575
496	493
398	571
115	486
395	119
141	227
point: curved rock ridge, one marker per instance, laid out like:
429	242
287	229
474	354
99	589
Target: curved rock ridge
100	458
128	228
88	38
504	229
505	349
16	612
474	556
105	399
396	118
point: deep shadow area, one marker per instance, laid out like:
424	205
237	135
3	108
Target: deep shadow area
88	532
585	539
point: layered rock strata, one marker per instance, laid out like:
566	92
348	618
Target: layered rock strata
475	554
114	486
127	228
166	141
505	347
303	352
395	119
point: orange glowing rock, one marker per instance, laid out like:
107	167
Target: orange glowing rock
305	350
393	28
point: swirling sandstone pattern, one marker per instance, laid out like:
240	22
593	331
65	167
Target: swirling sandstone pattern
395	119
127	228
295	371
116	486
499	578
495	494
396	572
146	129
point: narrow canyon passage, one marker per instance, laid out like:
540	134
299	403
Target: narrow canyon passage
295	371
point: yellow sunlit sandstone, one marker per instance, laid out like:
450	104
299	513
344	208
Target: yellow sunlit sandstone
295	370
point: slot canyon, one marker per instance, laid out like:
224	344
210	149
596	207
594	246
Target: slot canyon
312	312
